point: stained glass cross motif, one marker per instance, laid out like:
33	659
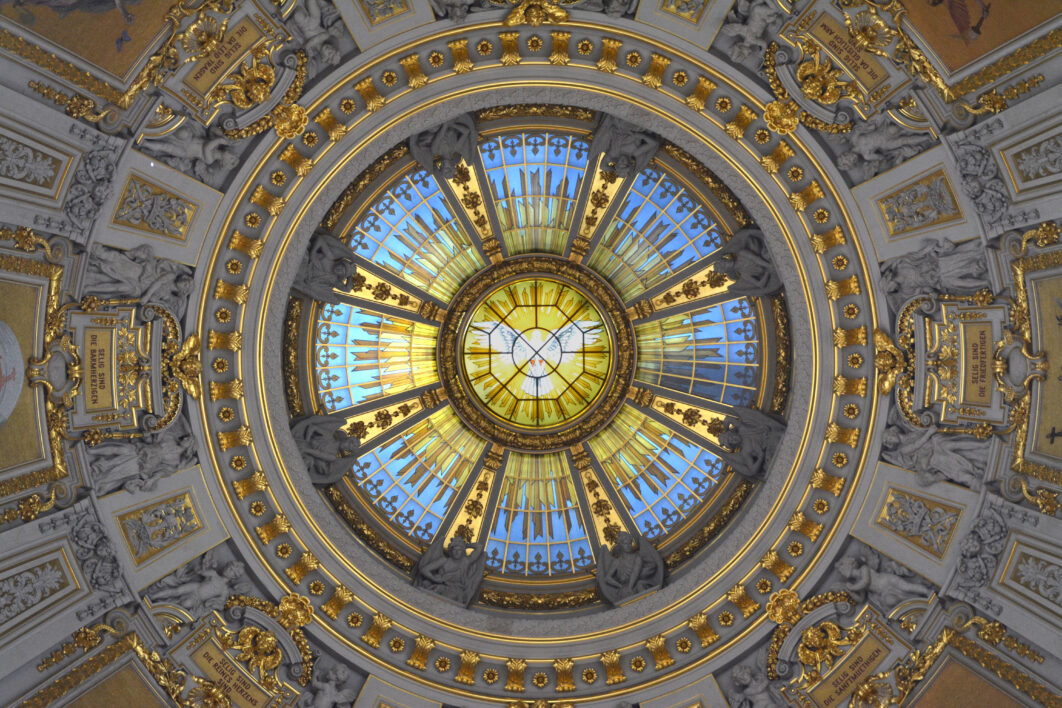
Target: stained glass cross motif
537	352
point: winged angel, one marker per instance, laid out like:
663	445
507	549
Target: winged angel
538	352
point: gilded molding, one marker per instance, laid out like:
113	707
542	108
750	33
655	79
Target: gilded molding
292	323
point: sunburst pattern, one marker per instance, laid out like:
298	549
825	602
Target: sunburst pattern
424	476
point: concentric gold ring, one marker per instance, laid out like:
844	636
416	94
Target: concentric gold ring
559	380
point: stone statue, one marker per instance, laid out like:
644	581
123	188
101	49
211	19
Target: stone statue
316	25
441	149
936	456
199	152
203	585
452	572
749	443
627	149
877	144
138	274
95	554
138	464
631	567
90	188
979	550
328	692
747	262
884	582
327	265
940	266
751	24
981	181
617	8
326	449
752	689
457	10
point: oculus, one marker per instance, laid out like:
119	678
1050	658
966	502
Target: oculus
536	353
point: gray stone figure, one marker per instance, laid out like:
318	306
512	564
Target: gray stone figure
326	691
441	149
317	26
96	556
749	443
199	152
138	274
751	24
627	149
752	689
326	449
936	456
940	266
882	581
139	464
632	566
327	265
619	8
920	205
877	144
202	585
979	551
981	181
747	262
456	10
452	572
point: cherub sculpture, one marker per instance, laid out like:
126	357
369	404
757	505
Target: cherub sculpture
328	692
631	567
883	582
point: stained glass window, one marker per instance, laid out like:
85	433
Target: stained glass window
412	479
660	475
360	355
534	178
660	228
713	352
536	529
411	231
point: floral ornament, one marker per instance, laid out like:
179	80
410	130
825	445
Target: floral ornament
840	459
638	663
683	645
784	607
442	664
870	31
490	676
535	13
782	116
207	694
354	621
397	644
540	679
589	675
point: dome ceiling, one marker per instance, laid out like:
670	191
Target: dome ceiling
533	353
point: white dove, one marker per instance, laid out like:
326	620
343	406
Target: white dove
537	352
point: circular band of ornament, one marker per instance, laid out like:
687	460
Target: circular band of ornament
536	353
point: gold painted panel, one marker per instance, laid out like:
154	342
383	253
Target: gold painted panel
379	11
154	528
99	362
146	206
21	308
834	37
211	69
954	685
683	9
927	202
125	687
835	688
115	44
1047	294
959	33
218	666
923	521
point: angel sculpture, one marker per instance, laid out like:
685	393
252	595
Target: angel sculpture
441	150
259	648
326	449
631	567
747	262
329	692
201	586
750	442
452	572
538	352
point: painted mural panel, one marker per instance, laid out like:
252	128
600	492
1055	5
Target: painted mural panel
123	31
962	31
20	309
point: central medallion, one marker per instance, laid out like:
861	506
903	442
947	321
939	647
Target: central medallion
537	353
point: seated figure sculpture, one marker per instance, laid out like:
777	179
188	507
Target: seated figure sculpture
750	442
747	262
631	567
326	449
328	265
452	572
